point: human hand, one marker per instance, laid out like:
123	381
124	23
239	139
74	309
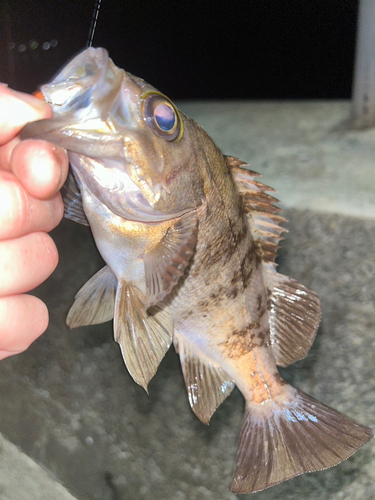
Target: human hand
31	174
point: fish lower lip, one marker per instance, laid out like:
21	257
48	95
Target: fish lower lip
135	200
138	209
43	127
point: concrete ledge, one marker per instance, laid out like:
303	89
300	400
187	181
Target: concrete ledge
21	478
70	404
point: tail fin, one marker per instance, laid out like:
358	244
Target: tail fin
289	438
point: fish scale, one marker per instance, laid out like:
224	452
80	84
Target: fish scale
190	238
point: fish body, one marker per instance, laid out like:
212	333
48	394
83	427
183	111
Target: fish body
190	238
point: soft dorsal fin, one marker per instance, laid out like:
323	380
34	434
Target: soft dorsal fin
207	384
72	198
261	211
144	337
294	317
294	310
167	261
95	301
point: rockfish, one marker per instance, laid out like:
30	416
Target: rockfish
190	238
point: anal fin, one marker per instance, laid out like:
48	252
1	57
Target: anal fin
144	337
279	441
294	317
206	382
95	301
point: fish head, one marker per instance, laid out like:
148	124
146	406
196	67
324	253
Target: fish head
127	142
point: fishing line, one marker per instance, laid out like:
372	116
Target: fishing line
93	22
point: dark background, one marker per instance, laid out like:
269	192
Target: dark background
254	49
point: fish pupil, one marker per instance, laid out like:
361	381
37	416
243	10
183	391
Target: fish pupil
165	117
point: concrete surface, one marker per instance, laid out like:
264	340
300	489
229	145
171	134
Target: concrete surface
70	404
21	478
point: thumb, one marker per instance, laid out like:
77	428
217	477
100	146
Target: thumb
17	109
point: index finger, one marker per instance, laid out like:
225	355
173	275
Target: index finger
17	109
40	166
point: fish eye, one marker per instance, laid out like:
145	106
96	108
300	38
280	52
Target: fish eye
165	117
162	117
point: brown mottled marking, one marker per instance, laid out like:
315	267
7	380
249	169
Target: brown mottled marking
240	235
247	268
259	338
220	250
188	313
232	292
204	305
236	277
241	342
217	293
240	230
258	261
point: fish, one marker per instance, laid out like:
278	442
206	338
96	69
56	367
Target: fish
190	237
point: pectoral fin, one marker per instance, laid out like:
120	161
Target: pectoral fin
167	261
71	195
95	301
144	337
207	384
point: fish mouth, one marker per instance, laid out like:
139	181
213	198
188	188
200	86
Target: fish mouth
111	184
80	82
79	113
95	108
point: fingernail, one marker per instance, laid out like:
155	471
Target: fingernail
31	100
17	109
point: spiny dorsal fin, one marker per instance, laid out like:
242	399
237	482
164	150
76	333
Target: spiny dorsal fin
294	310
168	260
72	198
207	384
261	211
95	301
144	337
294	316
